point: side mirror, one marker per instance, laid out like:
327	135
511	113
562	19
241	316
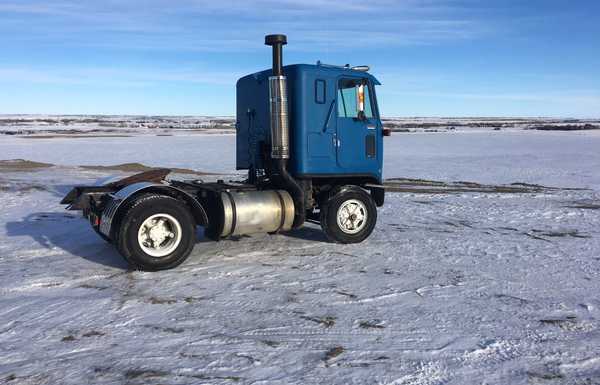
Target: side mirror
387	132
360	101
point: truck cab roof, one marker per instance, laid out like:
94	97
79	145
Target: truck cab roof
318	70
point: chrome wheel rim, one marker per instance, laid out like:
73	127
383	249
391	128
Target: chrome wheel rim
159	235
352	216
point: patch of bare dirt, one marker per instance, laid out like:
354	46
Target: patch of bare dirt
561	233
325	321
565	127
424	186
375	324
333	353
138	167
585	205
22	165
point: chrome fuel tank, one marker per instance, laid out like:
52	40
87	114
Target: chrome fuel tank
249	212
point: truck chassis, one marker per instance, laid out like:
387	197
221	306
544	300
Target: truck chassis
152	222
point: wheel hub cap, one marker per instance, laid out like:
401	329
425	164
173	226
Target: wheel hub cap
159	235
352	216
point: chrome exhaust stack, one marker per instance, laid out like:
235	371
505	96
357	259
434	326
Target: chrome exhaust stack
280	130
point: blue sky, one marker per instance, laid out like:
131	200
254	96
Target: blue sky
170	57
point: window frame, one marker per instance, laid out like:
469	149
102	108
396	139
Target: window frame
324	93
371	97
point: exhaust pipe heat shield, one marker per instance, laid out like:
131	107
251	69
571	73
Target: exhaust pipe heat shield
280	131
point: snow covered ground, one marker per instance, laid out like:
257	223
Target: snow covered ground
454	288
551	158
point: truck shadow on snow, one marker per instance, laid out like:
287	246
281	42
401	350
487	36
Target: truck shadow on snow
68	232
307	233
74	235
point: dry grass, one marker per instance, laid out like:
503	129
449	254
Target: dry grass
22	165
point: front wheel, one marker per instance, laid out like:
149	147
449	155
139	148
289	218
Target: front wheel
349	216
156	232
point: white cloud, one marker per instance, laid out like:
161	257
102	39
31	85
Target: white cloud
197	25
112	77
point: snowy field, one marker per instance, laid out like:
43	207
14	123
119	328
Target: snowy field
451	288
564	159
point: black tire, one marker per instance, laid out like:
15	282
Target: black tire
348	197
143	208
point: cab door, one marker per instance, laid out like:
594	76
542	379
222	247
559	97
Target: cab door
357	126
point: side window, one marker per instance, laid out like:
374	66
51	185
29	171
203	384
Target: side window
320	91
347	98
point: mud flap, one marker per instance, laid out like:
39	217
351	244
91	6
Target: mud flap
378	194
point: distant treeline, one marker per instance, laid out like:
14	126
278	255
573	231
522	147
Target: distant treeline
567	127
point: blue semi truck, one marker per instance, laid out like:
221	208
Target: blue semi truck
311	140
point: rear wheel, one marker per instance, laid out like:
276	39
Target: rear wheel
156	232
349	216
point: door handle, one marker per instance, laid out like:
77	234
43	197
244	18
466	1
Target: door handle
336	141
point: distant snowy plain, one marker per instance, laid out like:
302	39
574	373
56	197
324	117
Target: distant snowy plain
454	288
552	158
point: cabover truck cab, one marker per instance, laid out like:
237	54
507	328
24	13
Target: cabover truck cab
310	138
